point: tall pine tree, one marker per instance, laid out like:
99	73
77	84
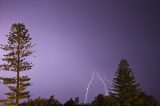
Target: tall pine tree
17	50
124	88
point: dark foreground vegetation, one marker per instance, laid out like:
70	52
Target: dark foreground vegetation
100	100
125	91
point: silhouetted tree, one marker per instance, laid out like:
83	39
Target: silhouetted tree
43	102
146	100
99	100
72	102
37	102
125	89
18	48
77	100
102	100
111	101
53	102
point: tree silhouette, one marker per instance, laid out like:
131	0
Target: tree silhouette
111	101
53	102
147	100
72	102
42	102
99	100
18	49
125	89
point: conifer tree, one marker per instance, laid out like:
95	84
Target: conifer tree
125	88
17	49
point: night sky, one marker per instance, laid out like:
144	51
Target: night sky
77	37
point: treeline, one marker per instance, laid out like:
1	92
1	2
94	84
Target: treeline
125	91
99	100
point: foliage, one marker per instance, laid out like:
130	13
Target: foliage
99	100
72	102
42	102
146	100
17	50
111	101
125	89
102	100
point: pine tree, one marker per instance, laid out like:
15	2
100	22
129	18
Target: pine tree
124	87
17	50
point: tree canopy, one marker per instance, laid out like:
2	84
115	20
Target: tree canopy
18	48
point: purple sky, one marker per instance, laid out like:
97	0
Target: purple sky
76	37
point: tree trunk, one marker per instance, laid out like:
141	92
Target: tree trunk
18	67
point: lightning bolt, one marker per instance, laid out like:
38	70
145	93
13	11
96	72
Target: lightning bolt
102	81
89	83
